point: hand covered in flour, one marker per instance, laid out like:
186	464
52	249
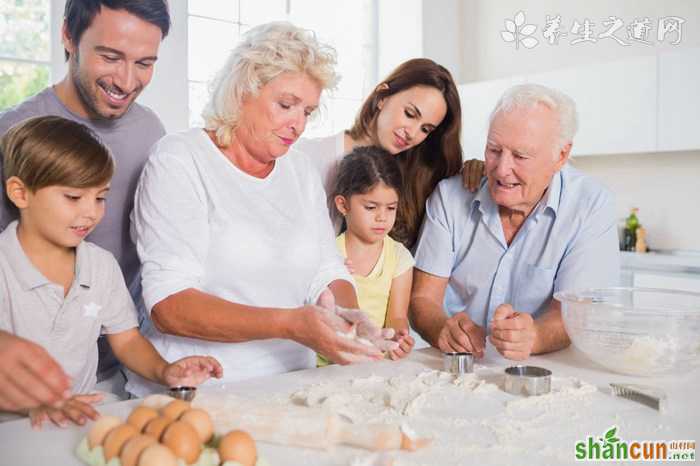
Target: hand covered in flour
512	333
355	325
461	335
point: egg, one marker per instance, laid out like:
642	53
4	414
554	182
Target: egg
174	409
239	446
183	440
200	420
156	401
101	428
133	447
140	416
116	438
155	427
157	455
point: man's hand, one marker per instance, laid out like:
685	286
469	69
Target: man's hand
461	335
77	409
513	333
191	371
29	376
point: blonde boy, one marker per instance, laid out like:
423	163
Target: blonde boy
58	290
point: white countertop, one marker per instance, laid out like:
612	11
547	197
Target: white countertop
468	428
688	262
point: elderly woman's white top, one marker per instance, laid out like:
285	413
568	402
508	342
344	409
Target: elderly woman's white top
200	222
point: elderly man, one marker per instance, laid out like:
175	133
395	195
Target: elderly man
489	262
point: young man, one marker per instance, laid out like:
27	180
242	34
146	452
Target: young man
111	47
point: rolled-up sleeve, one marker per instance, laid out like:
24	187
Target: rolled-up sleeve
332	266
170	226
593	258
434	251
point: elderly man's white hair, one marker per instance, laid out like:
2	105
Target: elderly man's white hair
265	52
529	95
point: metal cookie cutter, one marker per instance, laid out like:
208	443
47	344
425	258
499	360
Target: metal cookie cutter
458	363
528	380
183	393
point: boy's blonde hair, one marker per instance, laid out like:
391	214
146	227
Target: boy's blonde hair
50	150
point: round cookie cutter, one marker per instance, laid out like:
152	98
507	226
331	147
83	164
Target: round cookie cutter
458	363
528	380
183	393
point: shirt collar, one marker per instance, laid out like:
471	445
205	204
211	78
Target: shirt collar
28	275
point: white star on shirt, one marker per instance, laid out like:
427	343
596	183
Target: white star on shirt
91	310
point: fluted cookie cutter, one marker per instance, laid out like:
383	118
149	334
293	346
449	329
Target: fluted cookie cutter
458	363
528	380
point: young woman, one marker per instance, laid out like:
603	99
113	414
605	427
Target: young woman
414	114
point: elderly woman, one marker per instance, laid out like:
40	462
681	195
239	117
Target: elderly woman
234	236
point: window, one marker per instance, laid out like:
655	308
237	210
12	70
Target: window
24	49
215	27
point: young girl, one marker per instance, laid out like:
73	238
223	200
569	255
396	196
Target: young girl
55	288
366	195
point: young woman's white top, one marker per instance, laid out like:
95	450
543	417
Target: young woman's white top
200	222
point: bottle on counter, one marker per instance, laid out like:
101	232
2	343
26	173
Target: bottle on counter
629	235
640	244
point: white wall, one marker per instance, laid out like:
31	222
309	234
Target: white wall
663	185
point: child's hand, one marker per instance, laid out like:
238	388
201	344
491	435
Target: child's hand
405	341
77	409
191	371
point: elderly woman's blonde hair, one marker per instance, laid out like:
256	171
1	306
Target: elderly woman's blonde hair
265	52
529	95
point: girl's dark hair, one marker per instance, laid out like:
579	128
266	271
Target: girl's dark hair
439	156
78	14
361	170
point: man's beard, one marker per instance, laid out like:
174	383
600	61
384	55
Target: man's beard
88	100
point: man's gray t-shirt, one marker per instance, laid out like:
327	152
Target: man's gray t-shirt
130	139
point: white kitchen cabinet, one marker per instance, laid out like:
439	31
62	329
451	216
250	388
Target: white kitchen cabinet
478	100
679	100
637	105
616	104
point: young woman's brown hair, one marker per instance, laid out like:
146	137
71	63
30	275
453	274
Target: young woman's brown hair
424	165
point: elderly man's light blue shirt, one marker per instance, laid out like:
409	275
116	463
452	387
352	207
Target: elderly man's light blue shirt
568	242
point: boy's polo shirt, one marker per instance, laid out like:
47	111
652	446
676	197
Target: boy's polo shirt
34	308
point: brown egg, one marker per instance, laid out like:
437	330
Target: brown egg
174	409
155	427
200	420
183	440
239	446
157	455
140	416
101	428
116	438
156	401
133	447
